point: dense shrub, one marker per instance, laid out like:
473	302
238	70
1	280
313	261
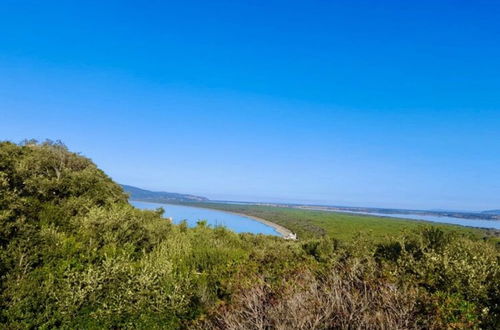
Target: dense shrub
75	254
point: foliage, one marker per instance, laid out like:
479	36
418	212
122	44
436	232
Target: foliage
75	254
344	226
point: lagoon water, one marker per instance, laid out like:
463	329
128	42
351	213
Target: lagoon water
479	223
192	215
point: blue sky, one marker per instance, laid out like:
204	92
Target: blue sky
367	103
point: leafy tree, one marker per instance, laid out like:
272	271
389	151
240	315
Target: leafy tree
75	254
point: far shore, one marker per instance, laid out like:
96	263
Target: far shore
278	228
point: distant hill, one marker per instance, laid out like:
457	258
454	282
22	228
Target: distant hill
491	212
139	194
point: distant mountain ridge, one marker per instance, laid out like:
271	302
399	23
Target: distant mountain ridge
491	212
139	194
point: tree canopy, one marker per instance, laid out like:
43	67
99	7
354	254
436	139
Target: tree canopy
75	254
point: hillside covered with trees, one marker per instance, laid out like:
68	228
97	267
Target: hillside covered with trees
75	254
139	194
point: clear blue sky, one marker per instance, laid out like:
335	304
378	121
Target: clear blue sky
369	103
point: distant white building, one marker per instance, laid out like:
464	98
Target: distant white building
291	236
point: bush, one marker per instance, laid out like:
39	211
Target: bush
75	254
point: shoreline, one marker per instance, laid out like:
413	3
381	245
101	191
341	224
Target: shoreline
284	232
278	228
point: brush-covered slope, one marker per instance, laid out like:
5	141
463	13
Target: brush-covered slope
75	255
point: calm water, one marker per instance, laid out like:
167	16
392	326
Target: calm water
235	222
493	224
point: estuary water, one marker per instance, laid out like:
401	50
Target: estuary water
479	223
235	222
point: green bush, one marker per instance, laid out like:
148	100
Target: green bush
75	254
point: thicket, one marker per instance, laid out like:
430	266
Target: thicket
75	254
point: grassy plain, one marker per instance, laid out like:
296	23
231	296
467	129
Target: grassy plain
310	223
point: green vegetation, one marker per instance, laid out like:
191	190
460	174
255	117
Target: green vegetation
75	254
139	194
310	224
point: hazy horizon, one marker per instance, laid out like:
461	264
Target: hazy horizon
345	103
270	199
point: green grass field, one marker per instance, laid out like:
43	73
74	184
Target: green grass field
309	223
